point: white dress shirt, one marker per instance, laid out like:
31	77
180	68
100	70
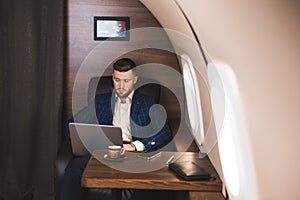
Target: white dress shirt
122	120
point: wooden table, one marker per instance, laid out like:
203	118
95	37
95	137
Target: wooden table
107	174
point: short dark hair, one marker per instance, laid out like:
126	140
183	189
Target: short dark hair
124	65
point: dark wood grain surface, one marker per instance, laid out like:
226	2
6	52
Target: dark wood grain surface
79	36
101	173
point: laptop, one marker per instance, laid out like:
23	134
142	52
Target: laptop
85	138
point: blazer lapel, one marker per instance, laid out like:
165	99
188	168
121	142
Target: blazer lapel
106	109
135	106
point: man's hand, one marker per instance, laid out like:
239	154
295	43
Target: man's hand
129	147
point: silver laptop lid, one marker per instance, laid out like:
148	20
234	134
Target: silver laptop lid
85	138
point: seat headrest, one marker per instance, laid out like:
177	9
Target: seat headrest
104	84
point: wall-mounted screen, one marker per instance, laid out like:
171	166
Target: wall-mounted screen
111	28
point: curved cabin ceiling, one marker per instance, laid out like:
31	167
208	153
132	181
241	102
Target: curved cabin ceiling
260	42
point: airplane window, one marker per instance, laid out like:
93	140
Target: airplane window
193	99
224	108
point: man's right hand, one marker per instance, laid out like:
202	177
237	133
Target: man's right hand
129	147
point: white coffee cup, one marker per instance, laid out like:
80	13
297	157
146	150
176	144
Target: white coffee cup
115	151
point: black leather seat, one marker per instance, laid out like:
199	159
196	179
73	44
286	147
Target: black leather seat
97	85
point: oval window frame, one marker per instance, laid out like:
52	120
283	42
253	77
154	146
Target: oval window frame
194	109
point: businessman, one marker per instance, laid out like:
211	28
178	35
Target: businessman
128	109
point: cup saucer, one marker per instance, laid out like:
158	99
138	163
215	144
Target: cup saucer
122	157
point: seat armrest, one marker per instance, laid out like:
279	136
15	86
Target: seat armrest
64	156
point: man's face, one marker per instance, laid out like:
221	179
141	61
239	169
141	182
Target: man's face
124	82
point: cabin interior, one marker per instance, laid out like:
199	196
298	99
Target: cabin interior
229	75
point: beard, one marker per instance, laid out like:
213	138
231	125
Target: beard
122	93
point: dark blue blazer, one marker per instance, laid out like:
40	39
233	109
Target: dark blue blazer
147	119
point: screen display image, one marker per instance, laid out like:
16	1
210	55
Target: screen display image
112	28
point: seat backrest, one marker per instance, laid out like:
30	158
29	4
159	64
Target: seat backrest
104	84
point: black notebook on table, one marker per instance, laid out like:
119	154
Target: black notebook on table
189	171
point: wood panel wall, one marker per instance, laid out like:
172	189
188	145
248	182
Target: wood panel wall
82	50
